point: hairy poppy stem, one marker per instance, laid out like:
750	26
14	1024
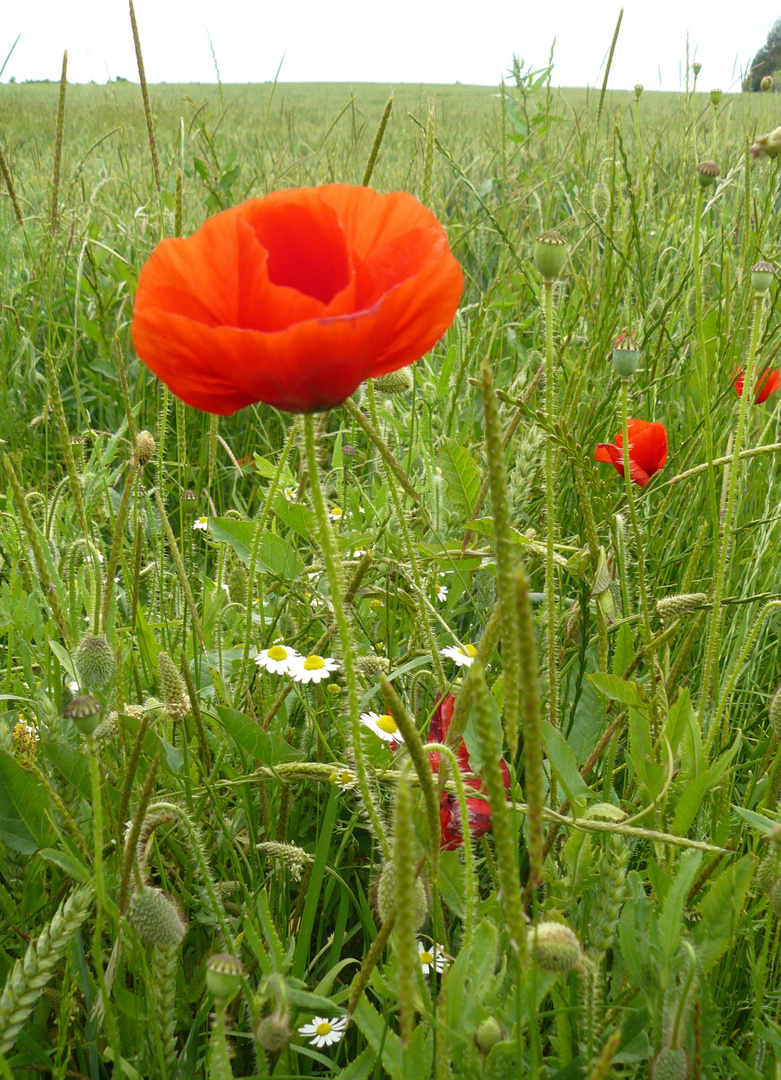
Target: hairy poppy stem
702	364
550	512
720	578
333	570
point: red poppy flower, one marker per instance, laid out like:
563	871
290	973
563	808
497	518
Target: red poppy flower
296	299
478	810
647	451
767	384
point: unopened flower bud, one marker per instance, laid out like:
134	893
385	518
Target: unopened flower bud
84	711
371	667
155	918
554	946
95	662
766	874
550	254
670	1064
386	896
762	274
223	976
715	97
638	91
707	171
273	1032
145	447
237	585
625	356
489	1032
673	607
395	382
766	84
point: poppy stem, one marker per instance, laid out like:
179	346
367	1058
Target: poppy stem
702	365
550	512
722	568
333	569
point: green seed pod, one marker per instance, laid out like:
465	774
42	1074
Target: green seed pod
638	91
766	84
554	946
188	501
696	68
626	356
223	976
550	254
237	585
155	918
489	1032
95	662
600	200
395	382
84	711
673	607
371	667
762	274
386	896
273	1032
108	728
670	1064
707	171
715	97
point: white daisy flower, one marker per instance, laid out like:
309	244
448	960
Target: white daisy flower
322	1032
290	493
442	593
73	686
336	513
314	669
426	957
463	657
359	553
385	727
313	576
344	778
201	523
279	659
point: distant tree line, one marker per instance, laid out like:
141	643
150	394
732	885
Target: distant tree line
767	61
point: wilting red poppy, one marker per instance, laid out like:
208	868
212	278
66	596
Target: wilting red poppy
478	810
647	450
295	299
767	384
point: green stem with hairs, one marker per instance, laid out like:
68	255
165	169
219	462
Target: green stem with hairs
722	568
550	513
333	570
702	364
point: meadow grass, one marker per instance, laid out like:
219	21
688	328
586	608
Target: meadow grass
220	808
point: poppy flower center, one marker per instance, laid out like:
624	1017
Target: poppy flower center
276	652
324	1028
387	724
314	663
306	249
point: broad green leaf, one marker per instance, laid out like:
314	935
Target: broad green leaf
24	826
616	689
462	475
297	517
268	469
64	657
172	755
671	922
678	718
275	555
721	910
688	805
563	763
79	871
757	821
361	1068
624	651
266	748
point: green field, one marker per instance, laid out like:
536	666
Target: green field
618	915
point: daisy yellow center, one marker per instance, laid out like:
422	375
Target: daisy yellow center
314	663
203	521
469	650
426	958
323	1029
387	724
277	652
336	512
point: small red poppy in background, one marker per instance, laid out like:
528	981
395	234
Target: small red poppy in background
767	383
295	299
647	450
478	809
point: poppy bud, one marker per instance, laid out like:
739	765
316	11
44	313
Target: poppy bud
386	896
223	976
600	200
775	712
762	274
715	97
237	585
707	171
489	1032
638	91
145	447
84	711
273	1032
371	667
670	1064
155	918
95	662
767	145
673	607
625	356
550	254
172	688
395	382
554	946
766	84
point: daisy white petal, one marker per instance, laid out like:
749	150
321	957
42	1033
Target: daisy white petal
323	1032
463	657
278	660
426	957
385	727
201	523
313	669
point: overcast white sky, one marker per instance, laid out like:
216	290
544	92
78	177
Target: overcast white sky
393	41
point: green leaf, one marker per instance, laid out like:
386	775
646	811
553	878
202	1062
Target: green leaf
24	826
679	716
616	689
721	910
252	739
757	821
268	469
689	804
461	474
79	871
671	922
275	555
297	517
172	755
564	765
471	738
361	1068
624	652
64	657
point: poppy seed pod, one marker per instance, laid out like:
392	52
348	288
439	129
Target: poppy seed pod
489	1032
715	97
766	84
670	1064
762	274
386	896
223	976
707	171
395	382
155	918
696	68
550	254
626	356
84	711
638	91
95	662
554	946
